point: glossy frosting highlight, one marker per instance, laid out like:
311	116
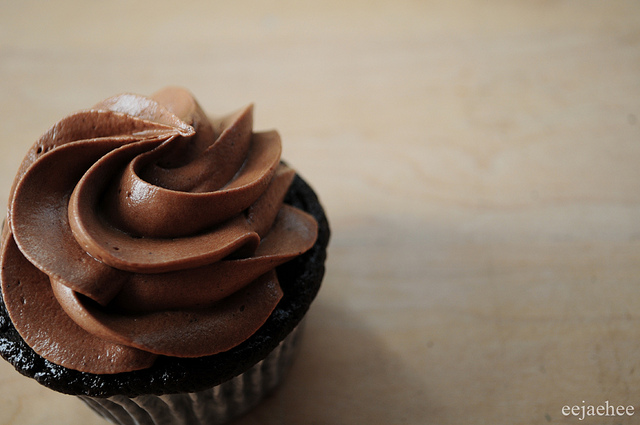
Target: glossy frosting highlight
142	227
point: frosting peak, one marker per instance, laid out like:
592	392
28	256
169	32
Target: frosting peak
141	227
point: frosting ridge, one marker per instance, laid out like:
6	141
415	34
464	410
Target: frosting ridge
147	228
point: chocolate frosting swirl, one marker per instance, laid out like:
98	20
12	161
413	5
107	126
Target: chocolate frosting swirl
141	227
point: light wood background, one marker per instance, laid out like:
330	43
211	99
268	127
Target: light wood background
479	162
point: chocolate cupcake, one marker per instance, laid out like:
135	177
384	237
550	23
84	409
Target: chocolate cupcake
158	263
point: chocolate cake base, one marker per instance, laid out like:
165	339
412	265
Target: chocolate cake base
213	406
300	280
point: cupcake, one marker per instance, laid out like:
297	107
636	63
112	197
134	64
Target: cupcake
158	263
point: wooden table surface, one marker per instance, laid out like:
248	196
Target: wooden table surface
478	162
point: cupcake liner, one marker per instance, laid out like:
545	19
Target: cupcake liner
213	406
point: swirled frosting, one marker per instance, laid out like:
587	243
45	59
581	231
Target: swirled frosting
141	227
